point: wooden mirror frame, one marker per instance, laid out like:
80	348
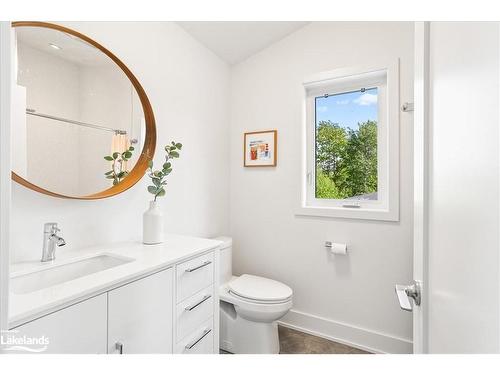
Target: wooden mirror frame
148	150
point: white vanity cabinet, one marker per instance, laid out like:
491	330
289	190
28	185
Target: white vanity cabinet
197	309
140	315
77	329
175	310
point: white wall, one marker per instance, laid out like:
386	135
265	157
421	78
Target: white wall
106	98
18	135
6	75
52	86
349	298
464	188
188	89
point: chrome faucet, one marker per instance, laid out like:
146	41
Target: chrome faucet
50	240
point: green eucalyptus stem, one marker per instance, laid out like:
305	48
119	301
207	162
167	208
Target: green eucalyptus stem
158	177
119	158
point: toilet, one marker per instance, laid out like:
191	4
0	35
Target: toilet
249	308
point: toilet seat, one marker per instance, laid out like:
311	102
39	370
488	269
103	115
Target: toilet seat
255	289
256	311
256	301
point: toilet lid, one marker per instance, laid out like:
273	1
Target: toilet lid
259	288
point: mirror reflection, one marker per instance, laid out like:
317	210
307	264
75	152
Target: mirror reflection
82	127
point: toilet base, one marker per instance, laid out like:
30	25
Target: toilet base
241	336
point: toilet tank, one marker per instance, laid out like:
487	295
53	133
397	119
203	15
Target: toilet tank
226	259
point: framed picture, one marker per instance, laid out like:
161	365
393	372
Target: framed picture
260	148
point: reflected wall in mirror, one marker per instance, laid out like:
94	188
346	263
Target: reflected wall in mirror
87	129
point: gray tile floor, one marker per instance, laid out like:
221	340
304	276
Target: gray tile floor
295	342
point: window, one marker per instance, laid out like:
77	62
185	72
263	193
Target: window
346	145
352	148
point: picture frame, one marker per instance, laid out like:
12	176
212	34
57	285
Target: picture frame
260	148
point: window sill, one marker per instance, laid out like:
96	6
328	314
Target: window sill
348	213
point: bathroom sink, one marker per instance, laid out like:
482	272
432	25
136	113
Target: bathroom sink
48	277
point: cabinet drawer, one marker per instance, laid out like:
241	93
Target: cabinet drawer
201	341
194	275
193	311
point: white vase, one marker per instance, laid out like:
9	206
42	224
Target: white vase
152	225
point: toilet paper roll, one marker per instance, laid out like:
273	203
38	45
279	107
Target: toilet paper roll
339	248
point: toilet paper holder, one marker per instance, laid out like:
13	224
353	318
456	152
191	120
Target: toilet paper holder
330	246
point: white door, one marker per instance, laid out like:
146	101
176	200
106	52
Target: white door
463	254
140	316
456	189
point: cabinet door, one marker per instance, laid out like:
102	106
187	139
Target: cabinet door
140	315
78	329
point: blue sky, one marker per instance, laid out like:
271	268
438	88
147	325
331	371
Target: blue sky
348	109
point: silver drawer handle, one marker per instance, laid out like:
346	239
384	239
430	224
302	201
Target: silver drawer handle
193	343
192	307
119	347
198	267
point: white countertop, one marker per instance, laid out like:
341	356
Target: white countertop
147	259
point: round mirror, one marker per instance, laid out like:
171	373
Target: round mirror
83	126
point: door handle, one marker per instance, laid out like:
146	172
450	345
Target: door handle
206	263
192	344
192	307
405	292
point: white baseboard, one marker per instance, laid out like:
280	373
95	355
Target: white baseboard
361	338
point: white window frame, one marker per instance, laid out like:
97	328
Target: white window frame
384	76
